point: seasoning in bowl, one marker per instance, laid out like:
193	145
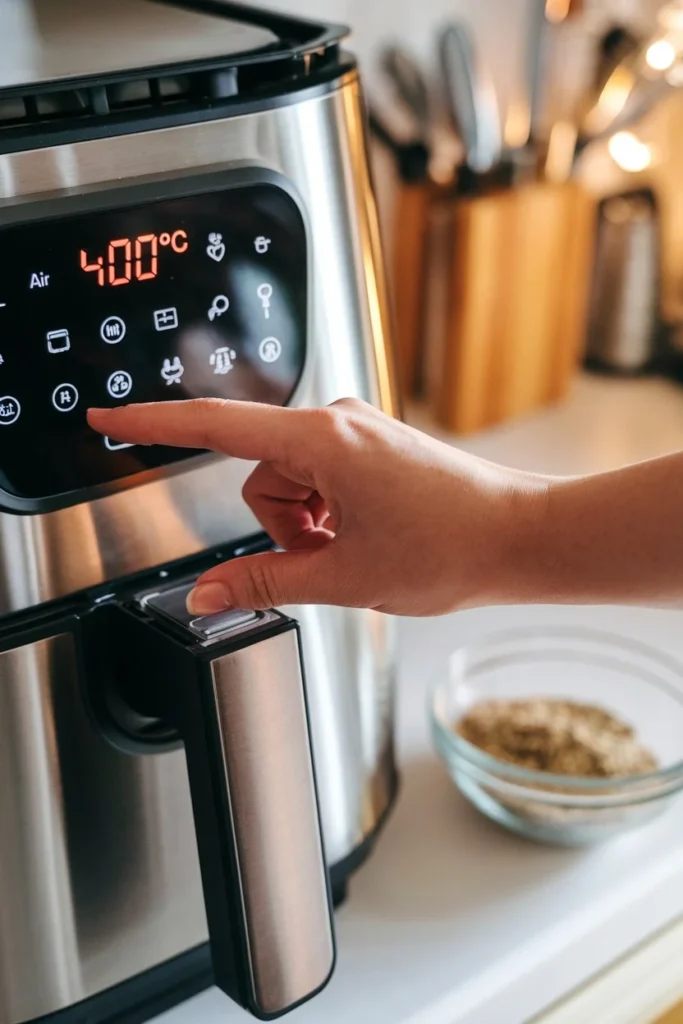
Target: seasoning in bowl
558	736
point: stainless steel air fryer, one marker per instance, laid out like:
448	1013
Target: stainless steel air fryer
185	211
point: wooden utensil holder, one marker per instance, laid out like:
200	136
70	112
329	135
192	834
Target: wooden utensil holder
514	316
413	202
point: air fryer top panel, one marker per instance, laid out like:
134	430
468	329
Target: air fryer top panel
77	69
50	42
47	42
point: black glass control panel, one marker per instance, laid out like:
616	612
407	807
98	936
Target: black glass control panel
200	296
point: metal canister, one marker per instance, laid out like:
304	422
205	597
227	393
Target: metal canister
623	320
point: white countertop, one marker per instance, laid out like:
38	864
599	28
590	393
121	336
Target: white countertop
453	920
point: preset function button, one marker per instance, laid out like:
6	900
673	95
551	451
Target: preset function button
119	384
58	341
112	330
116	446
270	350
10	410
65	397
166	319
172	370
265	294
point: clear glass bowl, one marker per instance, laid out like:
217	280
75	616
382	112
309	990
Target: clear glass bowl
633	681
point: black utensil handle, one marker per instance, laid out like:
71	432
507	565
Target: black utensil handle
258	826
412	158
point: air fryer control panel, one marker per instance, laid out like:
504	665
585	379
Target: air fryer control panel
199	296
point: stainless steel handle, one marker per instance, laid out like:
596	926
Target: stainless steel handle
233	687
263	768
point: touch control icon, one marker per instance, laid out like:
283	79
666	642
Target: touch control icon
172	370
39	280
219	306
264	292
112	330
119	384
65	397
216	247
222	360
270	350
166	319
115	446
9	410
58	341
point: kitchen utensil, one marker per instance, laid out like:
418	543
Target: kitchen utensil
636	683
471	97
632	88
615	46
622	329
560	57
410	154
186	212
536	61
560	11
409	82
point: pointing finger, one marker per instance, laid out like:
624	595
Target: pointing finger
245	430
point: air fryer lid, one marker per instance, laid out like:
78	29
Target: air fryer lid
47	42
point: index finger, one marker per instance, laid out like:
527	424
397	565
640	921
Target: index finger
245	430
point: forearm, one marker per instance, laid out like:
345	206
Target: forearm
610	538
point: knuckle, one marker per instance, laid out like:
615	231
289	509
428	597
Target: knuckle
249	489
331	423
259	584
352	422
324	417
349	404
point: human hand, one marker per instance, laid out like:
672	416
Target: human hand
369	512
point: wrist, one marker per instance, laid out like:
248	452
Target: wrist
526	553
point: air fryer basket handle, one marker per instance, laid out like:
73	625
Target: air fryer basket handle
259	836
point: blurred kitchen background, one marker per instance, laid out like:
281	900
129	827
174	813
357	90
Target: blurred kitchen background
528	158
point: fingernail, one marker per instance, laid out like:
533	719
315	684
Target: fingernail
207	598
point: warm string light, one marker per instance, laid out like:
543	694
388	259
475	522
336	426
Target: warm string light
629	153
660	55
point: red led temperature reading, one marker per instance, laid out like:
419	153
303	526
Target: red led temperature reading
133	259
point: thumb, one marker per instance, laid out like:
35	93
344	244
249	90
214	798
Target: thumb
266	581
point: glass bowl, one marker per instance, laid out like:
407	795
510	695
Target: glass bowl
636	683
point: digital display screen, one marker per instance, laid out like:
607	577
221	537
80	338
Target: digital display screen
189	297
